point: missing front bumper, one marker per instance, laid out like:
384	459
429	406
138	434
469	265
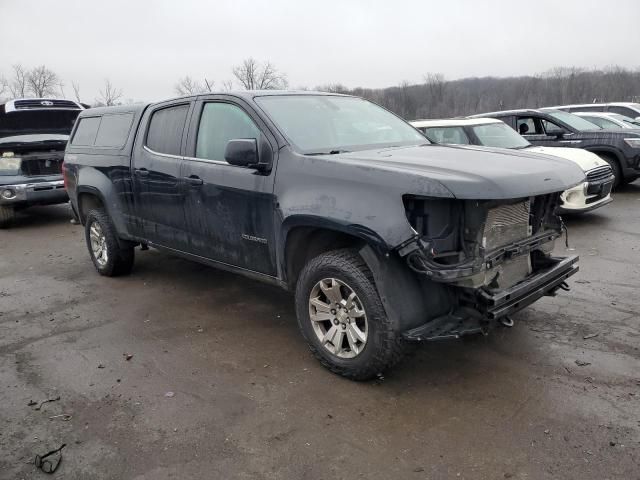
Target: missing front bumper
488	307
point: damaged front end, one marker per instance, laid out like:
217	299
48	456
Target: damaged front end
496	255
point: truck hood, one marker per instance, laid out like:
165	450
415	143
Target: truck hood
471	172
33	138
585	159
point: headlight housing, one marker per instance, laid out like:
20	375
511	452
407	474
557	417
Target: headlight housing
633	142
10	165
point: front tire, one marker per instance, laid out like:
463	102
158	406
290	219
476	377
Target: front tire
108	256
342	318
7	214
617	171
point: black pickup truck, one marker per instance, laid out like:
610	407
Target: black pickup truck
384	238
555	128
33	135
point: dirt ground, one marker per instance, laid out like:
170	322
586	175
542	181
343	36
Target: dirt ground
555	397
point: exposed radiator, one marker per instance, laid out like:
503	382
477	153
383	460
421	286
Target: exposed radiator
506	224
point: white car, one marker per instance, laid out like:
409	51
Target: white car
593	193
609	120
629	109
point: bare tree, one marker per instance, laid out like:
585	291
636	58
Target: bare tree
4	87
42	82
76	91
254	75
18	84
333	88
189	86
109	95
227	85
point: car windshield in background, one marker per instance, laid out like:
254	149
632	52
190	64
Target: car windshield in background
628	120
331	124
499	135
37	121
574	121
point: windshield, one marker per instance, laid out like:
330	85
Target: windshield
331	124
630	122
574	121
29	122
603	122
499	135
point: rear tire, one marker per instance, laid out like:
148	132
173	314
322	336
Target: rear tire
345	277
7	214
108	256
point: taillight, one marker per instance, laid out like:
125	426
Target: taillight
64	175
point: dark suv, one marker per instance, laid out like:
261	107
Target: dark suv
556	128
383	237
33	135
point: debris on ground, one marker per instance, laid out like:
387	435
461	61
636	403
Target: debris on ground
100	365
127	356
49	465
591	335
48	400
32	403
169	394
64	417
582	363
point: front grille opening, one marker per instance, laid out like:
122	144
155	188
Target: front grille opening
42	166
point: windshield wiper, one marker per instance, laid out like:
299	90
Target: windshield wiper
330	152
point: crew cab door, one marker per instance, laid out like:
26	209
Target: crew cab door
157	182
229	209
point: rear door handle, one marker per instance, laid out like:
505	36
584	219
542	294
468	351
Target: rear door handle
193	180
142	172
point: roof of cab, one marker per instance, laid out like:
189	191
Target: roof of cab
98	111
453	122
503	113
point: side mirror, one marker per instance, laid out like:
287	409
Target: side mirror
556	133
247	152
242	152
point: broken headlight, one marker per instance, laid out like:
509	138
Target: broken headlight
10	165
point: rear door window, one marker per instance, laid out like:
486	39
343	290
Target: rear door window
114	130
629	112
165	129
86	131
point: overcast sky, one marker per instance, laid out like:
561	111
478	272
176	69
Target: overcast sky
145	46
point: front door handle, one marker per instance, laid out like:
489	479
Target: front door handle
193	180
142	172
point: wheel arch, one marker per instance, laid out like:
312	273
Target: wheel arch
305	237
409	300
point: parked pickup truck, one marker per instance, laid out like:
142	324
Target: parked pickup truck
384	238
555	128
33	134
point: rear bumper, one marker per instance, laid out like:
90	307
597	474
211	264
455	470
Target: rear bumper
37	193
544	282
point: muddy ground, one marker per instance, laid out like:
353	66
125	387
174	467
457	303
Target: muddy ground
557	396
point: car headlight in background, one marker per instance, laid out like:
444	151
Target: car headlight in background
633	142
10	165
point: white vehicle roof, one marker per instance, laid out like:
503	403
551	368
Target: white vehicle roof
599	104
453	122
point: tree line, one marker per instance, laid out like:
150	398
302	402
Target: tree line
433	97
437	97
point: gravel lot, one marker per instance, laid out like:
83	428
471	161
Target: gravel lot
556	396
